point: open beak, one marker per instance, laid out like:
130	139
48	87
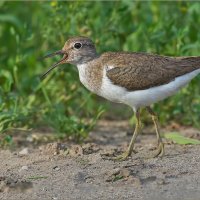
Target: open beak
60	52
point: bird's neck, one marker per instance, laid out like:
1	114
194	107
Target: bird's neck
90	74
84	59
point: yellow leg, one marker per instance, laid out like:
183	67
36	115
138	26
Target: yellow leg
133	139
159	139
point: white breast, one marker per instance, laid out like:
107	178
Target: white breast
141	98
82	74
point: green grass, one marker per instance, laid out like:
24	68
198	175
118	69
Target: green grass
29	30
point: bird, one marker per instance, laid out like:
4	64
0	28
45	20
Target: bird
136	79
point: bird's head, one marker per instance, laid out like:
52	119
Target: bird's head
77	50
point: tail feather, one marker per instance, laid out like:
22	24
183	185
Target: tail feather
193	61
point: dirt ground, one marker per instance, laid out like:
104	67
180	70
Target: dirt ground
62	171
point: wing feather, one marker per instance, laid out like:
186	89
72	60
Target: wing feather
139	71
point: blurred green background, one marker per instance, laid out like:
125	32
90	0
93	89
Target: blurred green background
29	30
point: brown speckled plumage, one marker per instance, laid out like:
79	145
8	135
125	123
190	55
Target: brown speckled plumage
138	71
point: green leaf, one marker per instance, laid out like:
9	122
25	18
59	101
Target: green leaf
180	139
118	177
6	80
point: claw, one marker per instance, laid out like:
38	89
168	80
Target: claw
125	155
160	152
122	157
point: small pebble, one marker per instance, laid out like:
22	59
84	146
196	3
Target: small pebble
115	171
160	181
125	172
23	152
56	168
23	168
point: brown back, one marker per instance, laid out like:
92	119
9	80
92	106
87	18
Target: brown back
139	71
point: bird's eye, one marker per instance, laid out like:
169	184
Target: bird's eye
77	45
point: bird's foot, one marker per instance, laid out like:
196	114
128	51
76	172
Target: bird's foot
123	156
160	151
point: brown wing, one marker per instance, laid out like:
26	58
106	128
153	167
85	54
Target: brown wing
139	71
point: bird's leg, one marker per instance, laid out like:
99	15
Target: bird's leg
133	139
159	139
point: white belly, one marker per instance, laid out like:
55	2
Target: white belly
141	98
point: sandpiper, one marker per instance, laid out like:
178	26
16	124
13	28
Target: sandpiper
134	79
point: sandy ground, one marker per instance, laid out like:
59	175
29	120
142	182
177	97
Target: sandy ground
62	171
